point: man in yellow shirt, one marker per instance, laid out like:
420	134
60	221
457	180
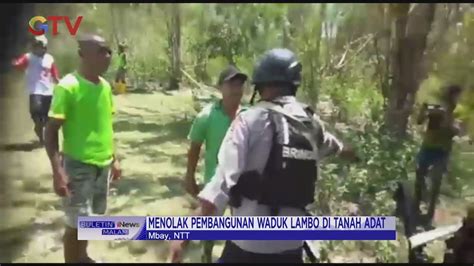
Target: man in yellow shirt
437	143
122	67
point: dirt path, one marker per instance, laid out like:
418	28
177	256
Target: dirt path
151	131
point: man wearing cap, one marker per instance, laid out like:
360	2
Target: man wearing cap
210	127
41	75
83	107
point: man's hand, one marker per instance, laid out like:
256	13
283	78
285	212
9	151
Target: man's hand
60	181
116	171
190	185
176	251
349	154
456	128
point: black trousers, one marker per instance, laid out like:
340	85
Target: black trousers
233	253
39	107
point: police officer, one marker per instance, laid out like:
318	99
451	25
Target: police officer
268	162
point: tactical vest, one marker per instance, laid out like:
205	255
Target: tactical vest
290	174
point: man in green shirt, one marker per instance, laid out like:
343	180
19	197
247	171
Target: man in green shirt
83	106
210	127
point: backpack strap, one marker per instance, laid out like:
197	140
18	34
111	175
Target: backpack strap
277	107
308	110
313	135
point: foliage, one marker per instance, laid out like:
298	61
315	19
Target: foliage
370	182
359	105
456	65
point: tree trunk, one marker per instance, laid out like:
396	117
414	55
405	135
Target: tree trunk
447	18
382	43
200	69
114	31
174	31
411	30
330	37
322	18
295	14
315	61
286	32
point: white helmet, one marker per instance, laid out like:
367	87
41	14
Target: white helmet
42	40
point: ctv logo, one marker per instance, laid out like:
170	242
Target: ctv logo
125	224
38	25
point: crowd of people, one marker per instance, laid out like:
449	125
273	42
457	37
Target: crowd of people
251	152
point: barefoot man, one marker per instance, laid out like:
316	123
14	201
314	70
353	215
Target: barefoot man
83	106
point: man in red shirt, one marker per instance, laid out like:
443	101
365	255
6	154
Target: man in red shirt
41	75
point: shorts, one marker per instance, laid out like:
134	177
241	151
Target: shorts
429	157
120	76
39	107
89	186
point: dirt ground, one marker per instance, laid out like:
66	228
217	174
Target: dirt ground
151	142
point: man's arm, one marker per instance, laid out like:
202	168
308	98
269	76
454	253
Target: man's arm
60	178
116	170
51	143
193	158
55	73
214	197
57	115
330	144
21	62
422	115
197	136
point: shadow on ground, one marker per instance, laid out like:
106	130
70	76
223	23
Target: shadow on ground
141	108
145	186
155	155
13	242
175	130
22	146
133	182
174	185
141	91
138	189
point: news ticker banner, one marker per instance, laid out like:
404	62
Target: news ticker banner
237	228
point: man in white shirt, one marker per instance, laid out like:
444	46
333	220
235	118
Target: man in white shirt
41	75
